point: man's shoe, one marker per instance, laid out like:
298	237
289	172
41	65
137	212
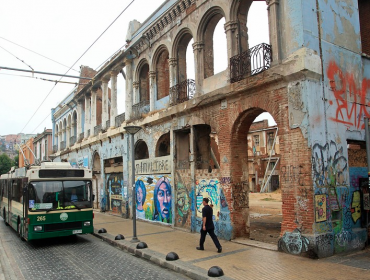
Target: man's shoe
199	248
219	250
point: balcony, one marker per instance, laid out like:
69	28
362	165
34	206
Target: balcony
251	62
62	145
72	140
182	92
119	120
143	107
55	149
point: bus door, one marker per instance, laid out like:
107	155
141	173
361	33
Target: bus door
24	199
8	217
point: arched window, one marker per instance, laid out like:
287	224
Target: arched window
144	83
163	74
141	150
163	146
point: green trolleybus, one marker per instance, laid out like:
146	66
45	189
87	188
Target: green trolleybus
49	200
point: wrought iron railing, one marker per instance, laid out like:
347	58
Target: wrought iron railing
72	140
97	129
55	148
182	92
251	62
62	145
120	119
140	108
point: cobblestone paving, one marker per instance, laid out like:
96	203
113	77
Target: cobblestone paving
82	257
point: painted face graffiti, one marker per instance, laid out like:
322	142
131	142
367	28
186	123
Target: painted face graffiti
162	199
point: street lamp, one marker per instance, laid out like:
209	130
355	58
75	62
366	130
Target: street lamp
133	130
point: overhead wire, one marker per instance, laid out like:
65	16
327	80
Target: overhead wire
17	58
38	54
76	62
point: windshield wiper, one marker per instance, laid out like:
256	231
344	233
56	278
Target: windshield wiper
75	205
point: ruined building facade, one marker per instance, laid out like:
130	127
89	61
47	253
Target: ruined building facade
312	78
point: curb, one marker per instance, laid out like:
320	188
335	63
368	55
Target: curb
159	259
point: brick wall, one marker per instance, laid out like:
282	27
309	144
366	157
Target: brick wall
364	11
163	74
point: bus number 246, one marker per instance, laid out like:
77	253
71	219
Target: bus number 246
41	218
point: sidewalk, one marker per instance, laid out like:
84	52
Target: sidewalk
238	261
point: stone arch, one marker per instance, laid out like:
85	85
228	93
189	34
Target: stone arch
179	50
162	70
143	79
141	150
163	145
205	34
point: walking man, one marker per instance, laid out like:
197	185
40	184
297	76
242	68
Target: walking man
208	226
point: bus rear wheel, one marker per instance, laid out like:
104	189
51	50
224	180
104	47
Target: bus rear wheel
19	231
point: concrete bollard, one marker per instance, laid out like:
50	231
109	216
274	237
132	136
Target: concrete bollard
172	256
215	271
102	230
119	237
141	245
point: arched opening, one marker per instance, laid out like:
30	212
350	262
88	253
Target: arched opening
163	146
256	175
141	150
74	124
99	202
64	132
182	59
144	83
211	35
69	130
257	24
56	143
163	74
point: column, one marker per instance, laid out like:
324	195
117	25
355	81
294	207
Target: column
87	115
173	79
198	49
153	91
273	6
232	45
79	119
129	90
113	98
93	110
68	135
60	139
105	101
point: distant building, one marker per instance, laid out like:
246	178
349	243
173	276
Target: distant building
263	157
25	154
42	145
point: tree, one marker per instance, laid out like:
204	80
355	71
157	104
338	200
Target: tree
5	164
16	161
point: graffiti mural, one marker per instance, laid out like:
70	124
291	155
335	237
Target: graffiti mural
320	207
211	190
293	242
349	97
115	187
356	206
154	198
329	165
182	203
241	195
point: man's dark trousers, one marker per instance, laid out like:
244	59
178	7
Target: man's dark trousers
211	232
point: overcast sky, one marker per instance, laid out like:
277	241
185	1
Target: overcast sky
62	31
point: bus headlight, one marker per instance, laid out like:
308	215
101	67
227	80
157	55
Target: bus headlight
37	228
87	224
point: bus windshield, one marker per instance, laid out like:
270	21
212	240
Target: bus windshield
57	195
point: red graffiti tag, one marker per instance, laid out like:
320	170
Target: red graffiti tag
352	108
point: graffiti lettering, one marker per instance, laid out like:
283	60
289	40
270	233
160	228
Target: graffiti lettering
329	165
349	113
292	174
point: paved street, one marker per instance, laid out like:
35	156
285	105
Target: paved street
84	257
